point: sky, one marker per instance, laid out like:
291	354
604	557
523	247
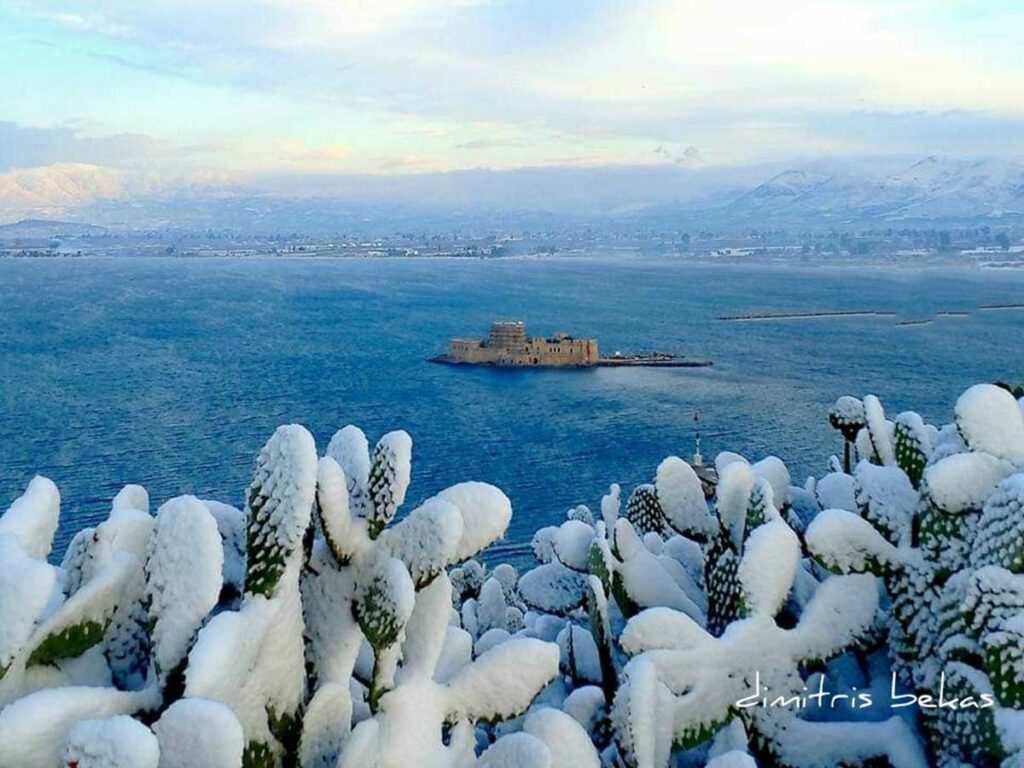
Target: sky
222	90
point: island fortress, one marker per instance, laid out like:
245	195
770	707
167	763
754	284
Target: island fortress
508	346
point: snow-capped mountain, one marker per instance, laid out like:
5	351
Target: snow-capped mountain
55	189
873	191
930	189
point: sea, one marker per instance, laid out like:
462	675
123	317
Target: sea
172	372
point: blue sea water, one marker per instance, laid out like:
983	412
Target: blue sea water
173	372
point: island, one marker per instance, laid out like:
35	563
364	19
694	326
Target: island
508	346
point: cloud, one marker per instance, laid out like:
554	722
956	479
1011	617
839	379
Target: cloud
687	156
488	144
743	80
23	147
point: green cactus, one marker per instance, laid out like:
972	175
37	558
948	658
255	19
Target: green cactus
954	582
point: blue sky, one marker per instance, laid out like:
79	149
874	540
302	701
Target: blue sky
229	90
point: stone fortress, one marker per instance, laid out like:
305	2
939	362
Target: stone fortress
508	345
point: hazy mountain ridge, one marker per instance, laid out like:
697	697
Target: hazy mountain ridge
883	191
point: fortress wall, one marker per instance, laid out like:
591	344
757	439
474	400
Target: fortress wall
562	351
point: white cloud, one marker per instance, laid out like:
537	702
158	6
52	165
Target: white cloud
742	79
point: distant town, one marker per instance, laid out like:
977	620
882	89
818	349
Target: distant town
980	245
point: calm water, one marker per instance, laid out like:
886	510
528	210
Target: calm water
172	373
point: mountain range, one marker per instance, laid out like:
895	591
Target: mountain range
817	194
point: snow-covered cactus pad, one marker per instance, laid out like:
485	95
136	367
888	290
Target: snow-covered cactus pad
945	529
279	506
389	479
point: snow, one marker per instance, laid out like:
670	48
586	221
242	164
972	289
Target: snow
1010	725
118	742
325	726
486	513
280	504
456	653
961	482
772	469
427	630
384	600
842	608
836	491
198	733
644	578
491	608
735	482
567	741
990	420
611	503
768	567
660	628
847	410
879	430
131	497
426	540
543	544
688	554
585	705
847	542
579	654
517	750
252	658
503	681
453	661
333	508
32	517
351	451
886	497
553	588
489	639
725	458
27	586
231	525
572	544
183	577
681	496
641	703
34	729
733	759
390	473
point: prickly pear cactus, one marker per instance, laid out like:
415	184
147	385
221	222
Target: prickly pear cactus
943	528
